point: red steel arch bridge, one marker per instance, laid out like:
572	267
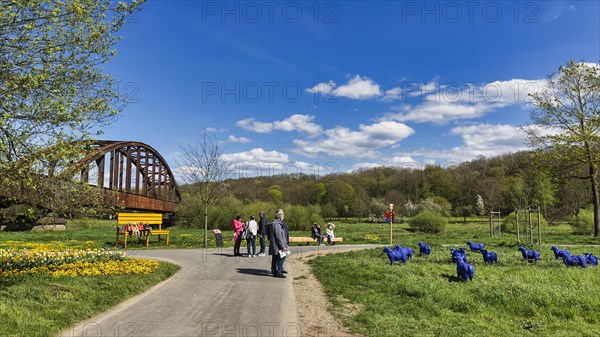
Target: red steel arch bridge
138	176
130	174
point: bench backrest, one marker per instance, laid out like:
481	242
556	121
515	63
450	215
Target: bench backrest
149	218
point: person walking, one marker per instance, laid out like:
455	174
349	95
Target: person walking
237	230
278	244
262	231
251	238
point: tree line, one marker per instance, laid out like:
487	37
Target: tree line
502	183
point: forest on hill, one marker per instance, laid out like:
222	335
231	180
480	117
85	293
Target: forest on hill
502	183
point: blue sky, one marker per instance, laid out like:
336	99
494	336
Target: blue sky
321	87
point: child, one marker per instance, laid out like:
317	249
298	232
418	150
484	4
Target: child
329	232
135	230
140	228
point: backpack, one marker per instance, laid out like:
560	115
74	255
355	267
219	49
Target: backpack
268	229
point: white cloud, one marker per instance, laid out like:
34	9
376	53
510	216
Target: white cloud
252	125
303	123
443	103
343	142
256	155
479	140
396	161
357	88
259	162
297	122
490	140
234	139
423	89
439	112
515	91
322	88
392	94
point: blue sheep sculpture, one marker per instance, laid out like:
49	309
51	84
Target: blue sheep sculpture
591	259
464	270
529	254
575	261
560	253
489	257
458	254
424	249
395	255
408	252
475	247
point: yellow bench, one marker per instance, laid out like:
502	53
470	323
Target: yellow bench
135	218
309	239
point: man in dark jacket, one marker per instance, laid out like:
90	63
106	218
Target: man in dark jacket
262	231
278	244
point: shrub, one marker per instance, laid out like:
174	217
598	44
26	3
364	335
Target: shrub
190	213
301	218
509	224
433	204
583	223
428	222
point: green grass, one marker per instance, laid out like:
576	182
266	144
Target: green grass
513	298
101	233
43	305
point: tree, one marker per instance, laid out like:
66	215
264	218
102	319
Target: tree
52	86
566	123
479	205
204	168
410	208
544	193
464	211
276	195
321	193
341	195
361	203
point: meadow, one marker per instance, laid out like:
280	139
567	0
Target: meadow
423	297
97	234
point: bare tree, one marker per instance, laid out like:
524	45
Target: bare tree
204	169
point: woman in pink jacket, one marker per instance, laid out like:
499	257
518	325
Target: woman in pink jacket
237	230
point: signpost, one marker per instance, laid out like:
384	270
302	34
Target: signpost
391	221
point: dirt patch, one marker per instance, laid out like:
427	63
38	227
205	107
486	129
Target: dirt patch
313	305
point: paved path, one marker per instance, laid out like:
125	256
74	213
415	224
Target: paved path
214	294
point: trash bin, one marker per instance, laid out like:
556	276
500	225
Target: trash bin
218	237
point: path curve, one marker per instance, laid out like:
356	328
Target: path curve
214	294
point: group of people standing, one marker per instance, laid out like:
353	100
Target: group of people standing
275	231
